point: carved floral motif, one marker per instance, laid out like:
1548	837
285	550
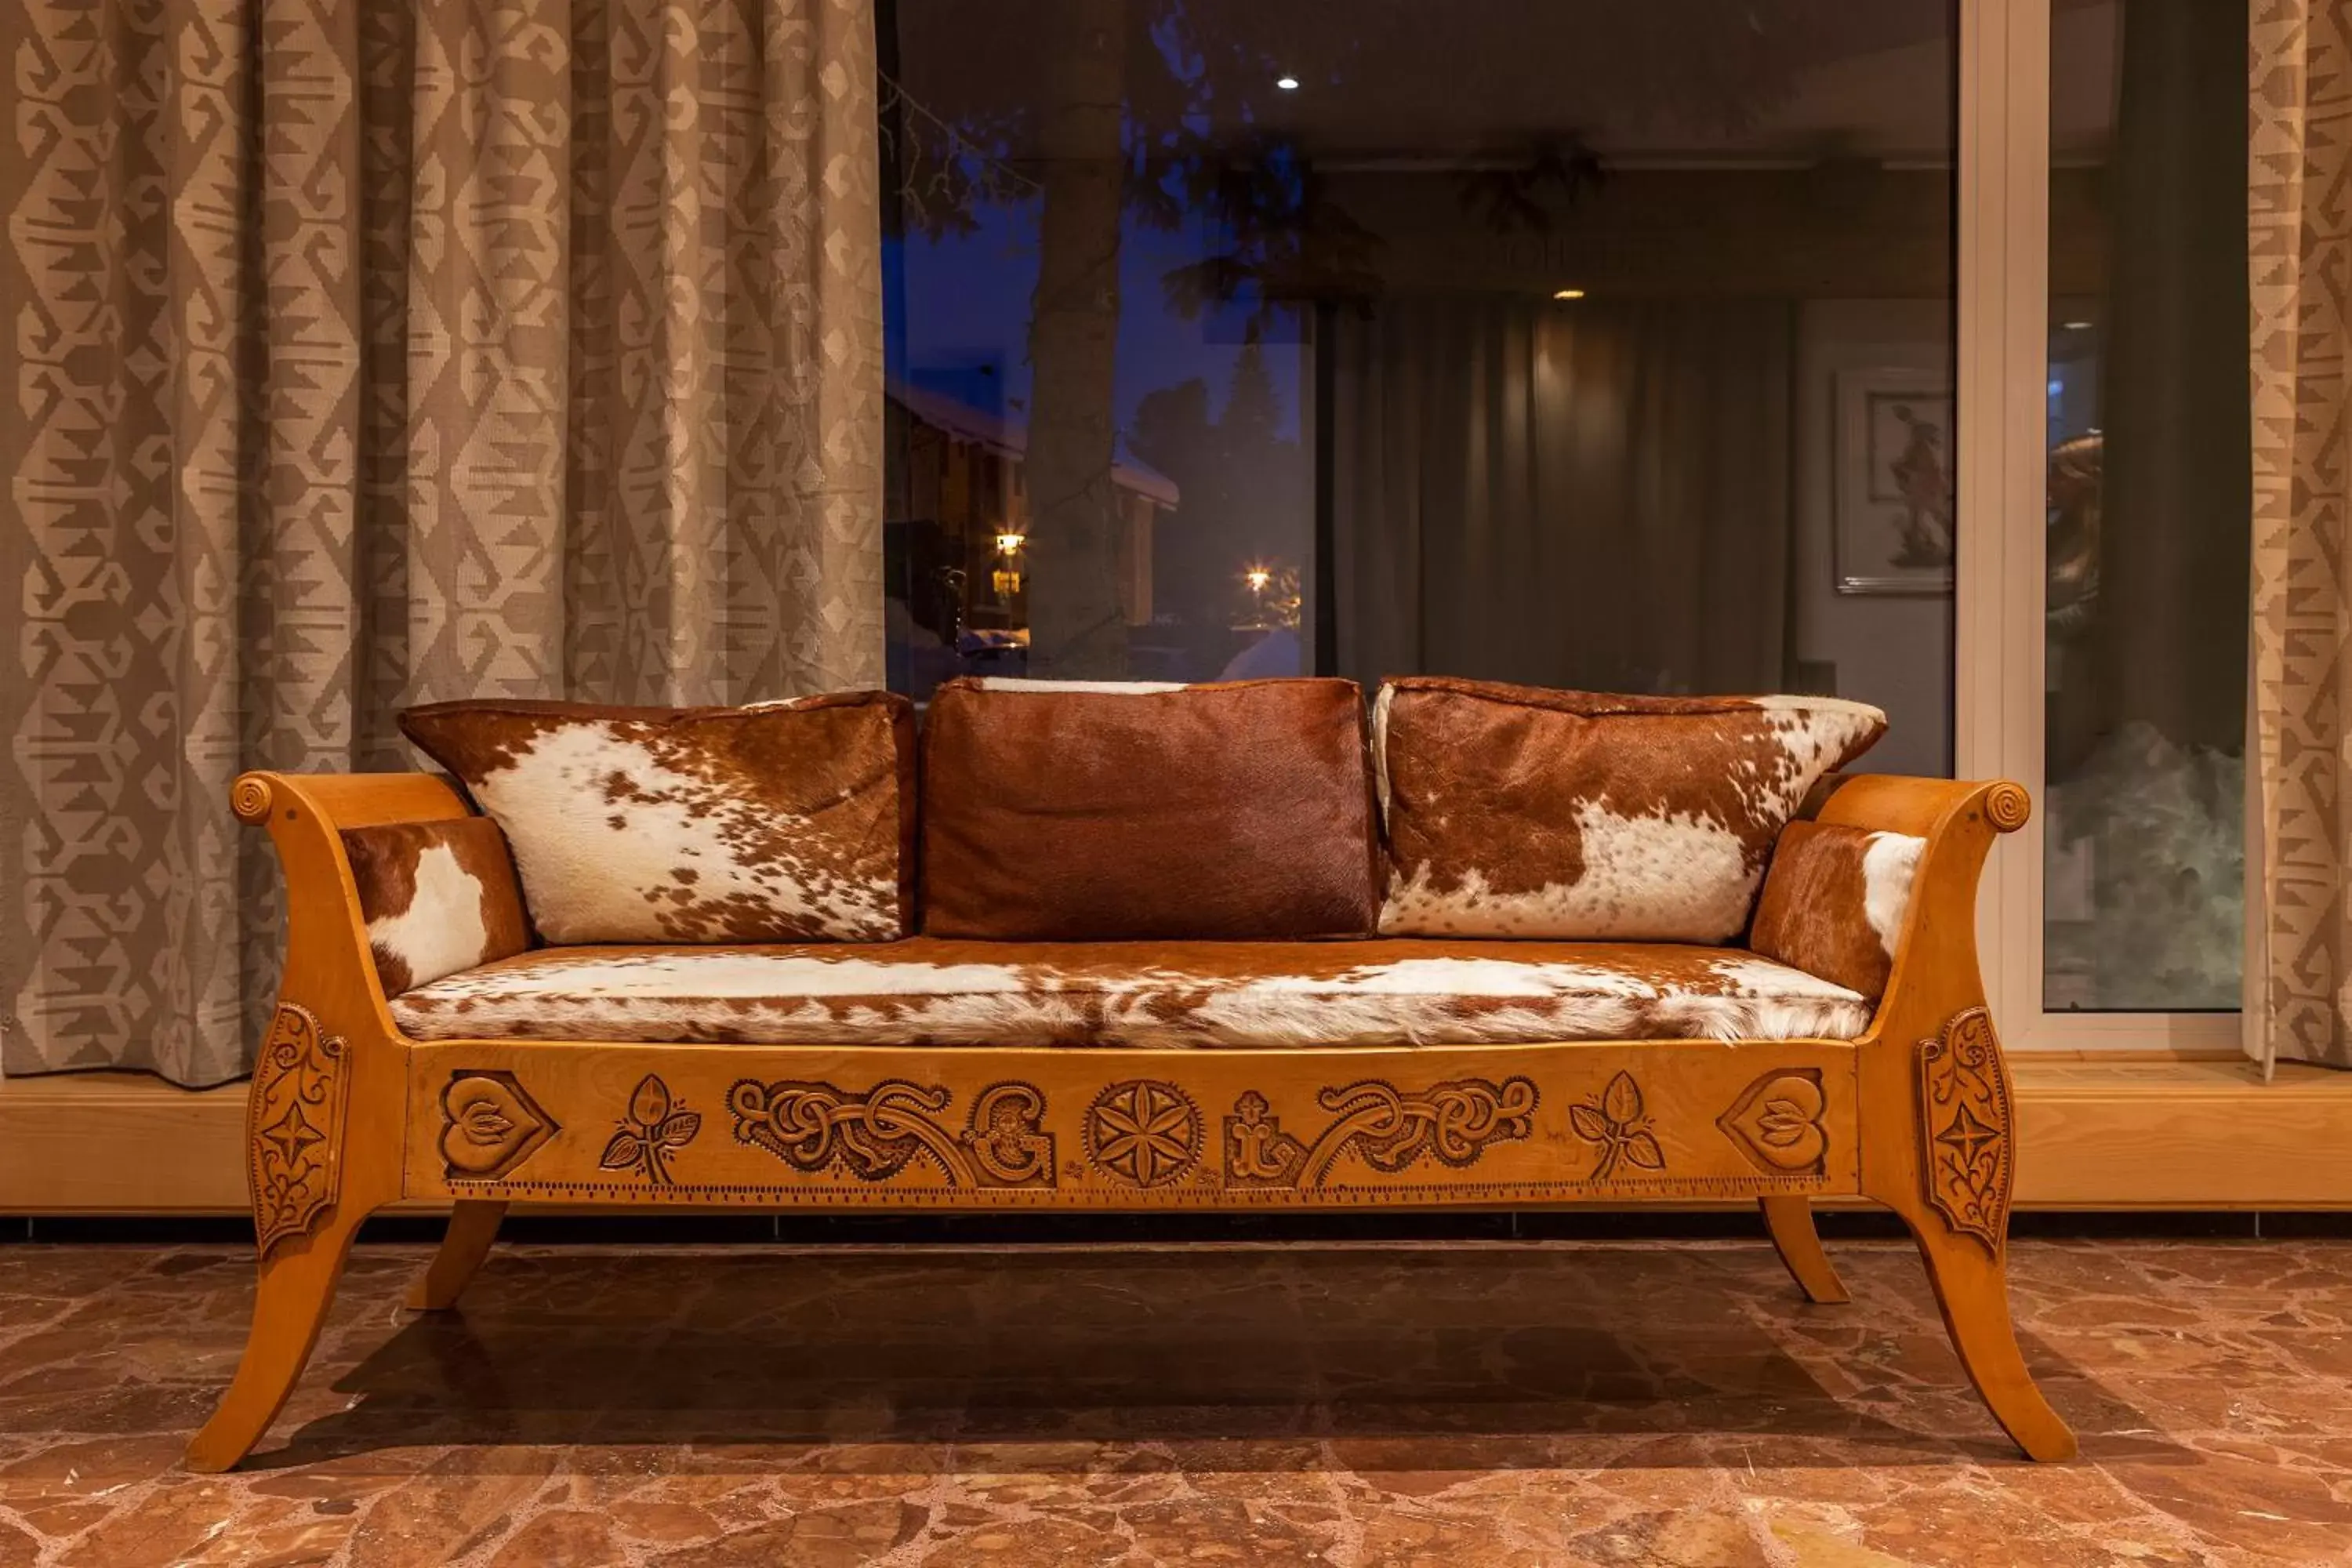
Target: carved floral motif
1452	1122
1777	1122
651	1130
489	1125
1616	1122
876	1133
1144	1132
1965	1120
295	1126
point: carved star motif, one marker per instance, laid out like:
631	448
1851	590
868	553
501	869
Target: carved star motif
291	1134
1968	1134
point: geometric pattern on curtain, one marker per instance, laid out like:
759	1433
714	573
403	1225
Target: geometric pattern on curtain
2299	975
362	354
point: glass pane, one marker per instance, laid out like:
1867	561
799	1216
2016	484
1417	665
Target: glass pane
1557	340
2149	506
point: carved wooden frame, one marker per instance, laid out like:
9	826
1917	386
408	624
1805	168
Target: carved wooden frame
489	1123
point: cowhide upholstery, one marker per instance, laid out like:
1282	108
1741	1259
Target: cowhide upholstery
1834	901
1099	811
786	821
1517	812
437	898
933	992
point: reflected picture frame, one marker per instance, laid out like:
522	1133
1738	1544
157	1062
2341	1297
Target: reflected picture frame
1891	459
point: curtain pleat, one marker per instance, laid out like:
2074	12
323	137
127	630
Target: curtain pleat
2299	973
368	354
1597	496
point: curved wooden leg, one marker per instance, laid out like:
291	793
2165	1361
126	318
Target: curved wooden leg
1789	1222
298	1284
473	1226
1972	1290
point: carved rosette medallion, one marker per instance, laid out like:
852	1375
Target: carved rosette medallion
1452	1123
1776	1123
1143	1132
294	1126
1965	1119
651	1132
1615	1121
489	1125
876	1133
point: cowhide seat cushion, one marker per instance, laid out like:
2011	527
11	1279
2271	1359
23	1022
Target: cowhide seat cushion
938	991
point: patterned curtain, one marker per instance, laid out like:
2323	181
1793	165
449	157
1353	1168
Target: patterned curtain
2299	865
367	353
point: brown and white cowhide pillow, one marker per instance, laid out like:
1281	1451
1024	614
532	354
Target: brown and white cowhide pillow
1113	811
1513	811
786	821
1834	901
438	897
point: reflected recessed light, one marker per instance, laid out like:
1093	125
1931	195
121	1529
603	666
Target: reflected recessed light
2076	326
1568	293
1288	83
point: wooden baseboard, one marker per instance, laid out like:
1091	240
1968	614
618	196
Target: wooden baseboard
2098	1132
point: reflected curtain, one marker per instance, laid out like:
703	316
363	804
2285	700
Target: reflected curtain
1585	495
361	354
2299	862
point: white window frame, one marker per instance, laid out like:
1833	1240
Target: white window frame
2002	373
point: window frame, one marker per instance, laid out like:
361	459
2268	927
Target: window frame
2001	369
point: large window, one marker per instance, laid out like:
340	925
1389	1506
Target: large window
2149	499
1564	341
1613	346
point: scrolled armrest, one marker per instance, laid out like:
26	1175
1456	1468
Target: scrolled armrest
328	969
1934	970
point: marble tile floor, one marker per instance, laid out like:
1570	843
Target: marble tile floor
1472	1405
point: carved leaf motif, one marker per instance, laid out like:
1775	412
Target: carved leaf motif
1616	1123
491	1125
485	1125
1622	1101
650	1133
1777	1122
1782	1124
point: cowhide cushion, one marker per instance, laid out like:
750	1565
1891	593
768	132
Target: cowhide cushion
1517	812
780	822
1082	812
929	992
1834	901
438	897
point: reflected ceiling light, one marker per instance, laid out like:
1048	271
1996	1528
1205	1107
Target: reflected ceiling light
1288	83
1568	293
2076	326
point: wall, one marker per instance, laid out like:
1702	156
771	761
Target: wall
1893	651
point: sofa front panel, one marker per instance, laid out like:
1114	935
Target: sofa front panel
782	1128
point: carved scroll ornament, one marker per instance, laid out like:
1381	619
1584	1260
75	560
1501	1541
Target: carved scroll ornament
1452	1123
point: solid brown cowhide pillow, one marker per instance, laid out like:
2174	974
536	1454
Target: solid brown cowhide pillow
1834	901
1113	811
1513	811
437	898
780	822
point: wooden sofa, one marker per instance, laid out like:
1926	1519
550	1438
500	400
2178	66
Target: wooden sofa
349	1113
